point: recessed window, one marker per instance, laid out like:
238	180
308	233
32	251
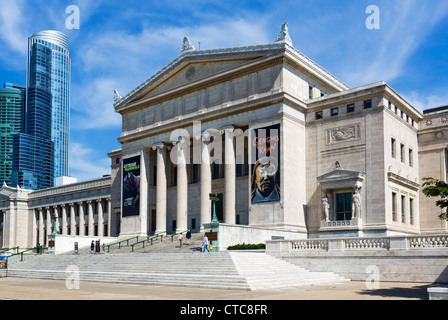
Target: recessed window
318	115
334	112
350	108
411	210
343	206
402	153
411	156
403	209
394	206
367	104
310	92
392	142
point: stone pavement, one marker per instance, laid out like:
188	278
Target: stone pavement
36	289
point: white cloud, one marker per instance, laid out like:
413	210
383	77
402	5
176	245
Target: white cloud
122	60
11	26
384	53
427	101
83	166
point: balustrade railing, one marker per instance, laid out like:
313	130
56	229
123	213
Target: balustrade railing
428	242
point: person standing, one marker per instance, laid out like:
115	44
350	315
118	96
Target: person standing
92	247
188	236
180	240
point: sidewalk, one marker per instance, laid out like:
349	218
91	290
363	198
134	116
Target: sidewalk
36	289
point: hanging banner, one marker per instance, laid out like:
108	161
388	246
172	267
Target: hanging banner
131	187
265	153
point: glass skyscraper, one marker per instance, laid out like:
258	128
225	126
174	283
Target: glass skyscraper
41	152
12	107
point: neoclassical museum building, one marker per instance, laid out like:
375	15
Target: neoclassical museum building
289	150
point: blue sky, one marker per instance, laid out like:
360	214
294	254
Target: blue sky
121	43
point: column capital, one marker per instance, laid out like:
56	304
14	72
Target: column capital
224	129
158	145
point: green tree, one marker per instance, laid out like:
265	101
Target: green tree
437	188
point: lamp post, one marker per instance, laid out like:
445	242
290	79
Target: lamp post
214	197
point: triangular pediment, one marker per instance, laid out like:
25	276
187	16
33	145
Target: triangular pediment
340	174
189	73
195	67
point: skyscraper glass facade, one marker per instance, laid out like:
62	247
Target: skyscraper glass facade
47	118
57	42
12	105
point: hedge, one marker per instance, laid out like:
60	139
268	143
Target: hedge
245	246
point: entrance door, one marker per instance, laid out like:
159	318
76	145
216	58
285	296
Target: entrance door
153	220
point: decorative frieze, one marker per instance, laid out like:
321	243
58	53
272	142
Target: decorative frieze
341	134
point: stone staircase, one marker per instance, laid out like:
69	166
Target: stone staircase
222	270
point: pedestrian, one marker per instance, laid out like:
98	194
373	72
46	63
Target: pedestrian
205	244
104	247
92	247
188	236
180	240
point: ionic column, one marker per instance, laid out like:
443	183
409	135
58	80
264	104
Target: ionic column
229	176
48	213
81	219
206	182
109	217
56	219
41	226
161	190
182	185
64	220
90	218
72	219
100	218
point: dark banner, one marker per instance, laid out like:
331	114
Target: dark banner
265	151
131	187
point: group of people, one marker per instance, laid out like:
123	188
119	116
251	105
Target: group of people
205	242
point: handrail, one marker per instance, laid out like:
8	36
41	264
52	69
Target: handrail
17	248
175	234
121	241
21	253
161	234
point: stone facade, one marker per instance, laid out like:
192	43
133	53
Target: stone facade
350	160
359	144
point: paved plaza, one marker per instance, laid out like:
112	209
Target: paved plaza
36	289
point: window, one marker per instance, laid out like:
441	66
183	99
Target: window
350	108
343	206
389	105
394	206
403	209
318	115
392	142
411	210
367	104
411	160
310	92
334	112
402	155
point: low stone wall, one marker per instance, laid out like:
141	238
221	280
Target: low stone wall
64	244
398	258
231	234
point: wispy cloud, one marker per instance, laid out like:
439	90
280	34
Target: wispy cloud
84	165
384	53
12	25
122	60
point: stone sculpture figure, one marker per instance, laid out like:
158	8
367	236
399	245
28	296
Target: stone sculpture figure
326	207
356	204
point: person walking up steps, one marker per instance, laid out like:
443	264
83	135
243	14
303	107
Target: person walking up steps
205	244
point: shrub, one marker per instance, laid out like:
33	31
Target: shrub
245	246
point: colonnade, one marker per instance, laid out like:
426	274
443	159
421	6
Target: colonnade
229	196
82	218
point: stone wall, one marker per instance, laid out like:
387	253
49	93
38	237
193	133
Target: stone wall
400	259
